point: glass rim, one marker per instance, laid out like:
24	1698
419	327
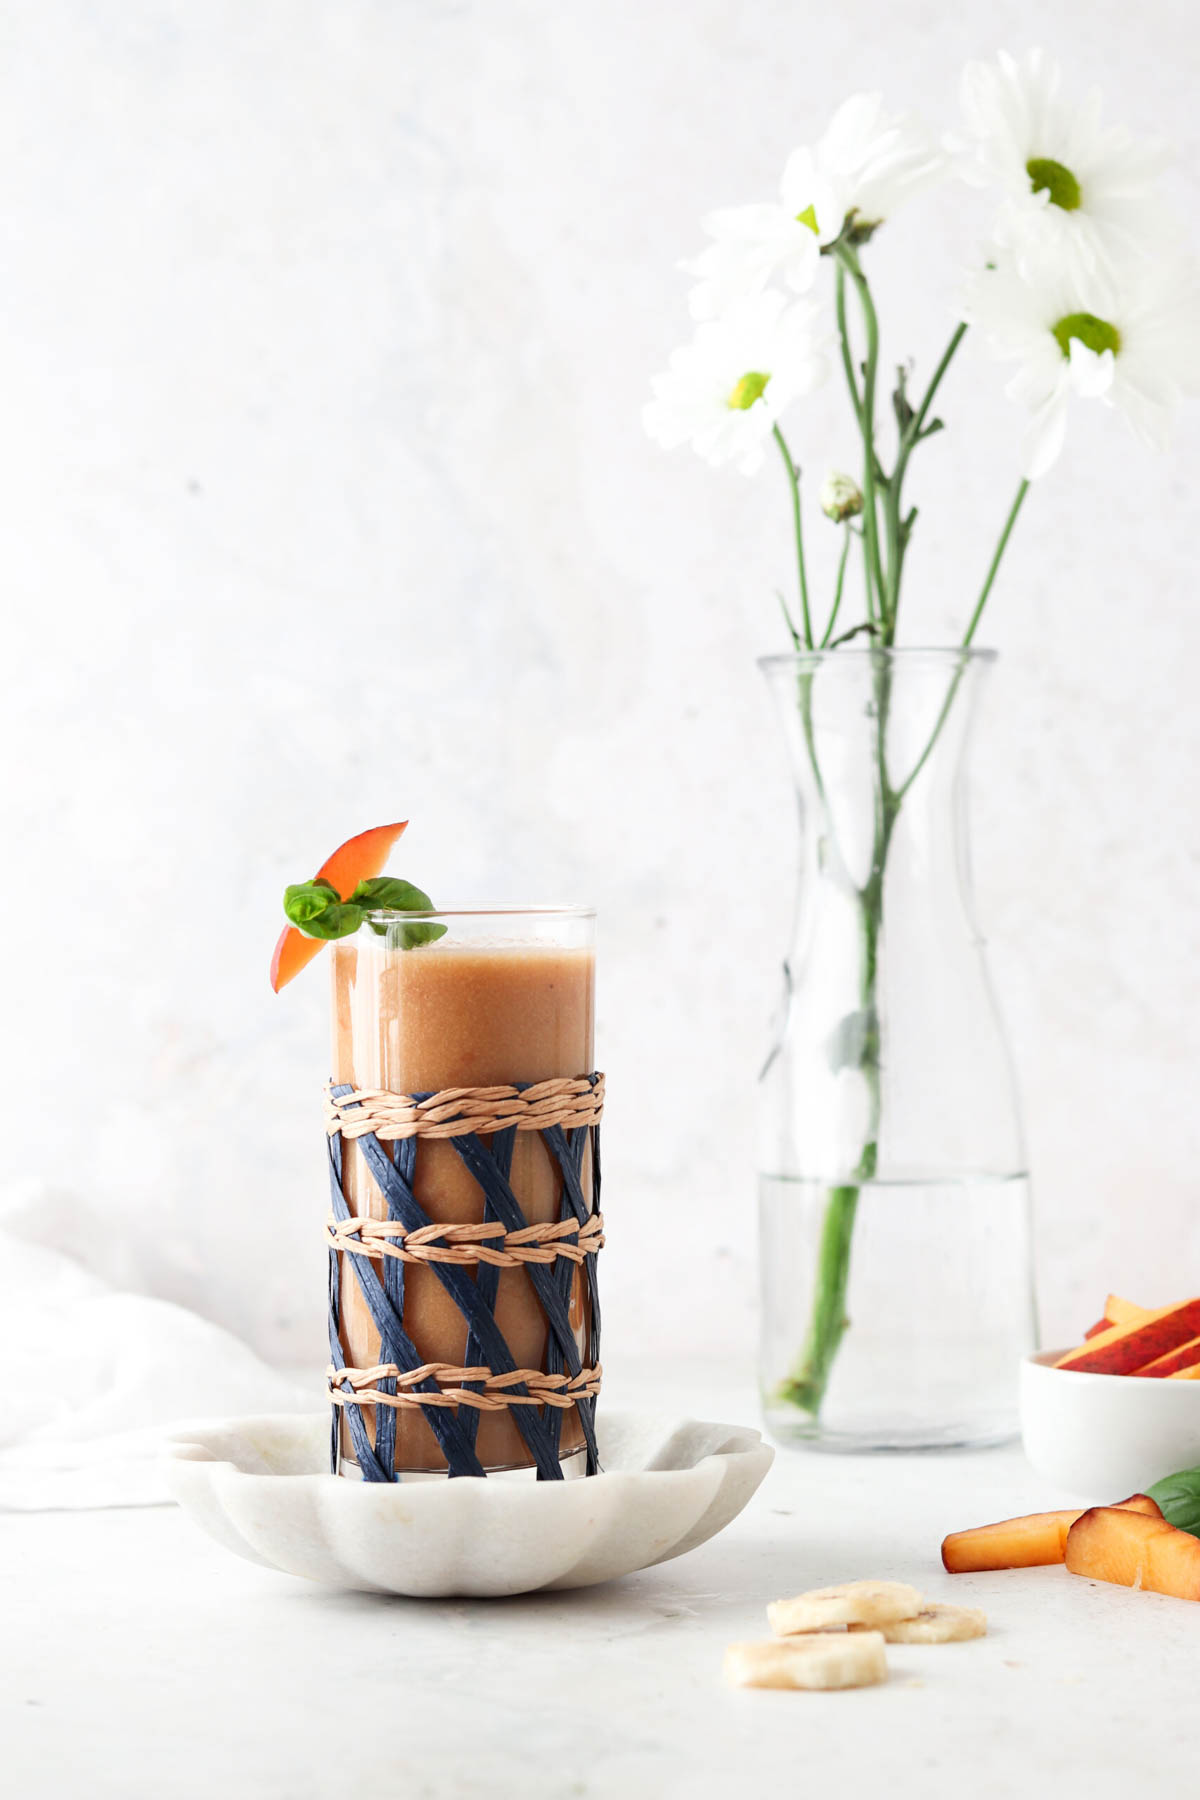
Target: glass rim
480	912
943	653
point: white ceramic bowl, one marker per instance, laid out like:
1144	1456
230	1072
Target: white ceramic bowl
262	1488
1106	1436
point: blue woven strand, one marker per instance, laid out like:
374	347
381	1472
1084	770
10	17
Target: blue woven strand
395	1346
572	1173
593	1284
370	1466
392	1273
568	1153
487	1281
570	1160
508	1209
462	1290
563	1271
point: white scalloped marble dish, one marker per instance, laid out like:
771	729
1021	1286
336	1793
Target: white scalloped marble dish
261	1487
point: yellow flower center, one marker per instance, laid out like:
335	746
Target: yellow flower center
745	392
1093	333
1054	178
809	217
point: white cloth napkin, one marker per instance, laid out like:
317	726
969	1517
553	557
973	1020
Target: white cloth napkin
95	1378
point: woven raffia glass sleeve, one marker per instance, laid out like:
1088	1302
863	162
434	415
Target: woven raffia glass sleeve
467	1261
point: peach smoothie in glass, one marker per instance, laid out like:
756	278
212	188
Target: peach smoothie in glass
499	998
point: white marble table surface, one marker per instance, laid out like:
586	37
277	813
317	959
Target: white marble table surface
137	1659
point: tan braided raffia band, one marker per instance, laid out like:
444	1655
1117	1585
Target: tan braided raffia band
484	1243
455	1112
561	1391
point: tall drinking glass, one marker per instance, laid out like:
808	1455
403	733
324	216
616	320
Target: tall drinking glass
499	998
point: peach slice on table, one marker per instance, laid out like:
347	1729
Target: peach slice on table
358	859
1134	1551
1187	1356
1123	1349
1031	1542
1116	1312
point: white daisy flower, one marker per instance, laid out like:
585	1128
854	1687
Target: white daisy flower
723	392
1078	336
1073	187
867	163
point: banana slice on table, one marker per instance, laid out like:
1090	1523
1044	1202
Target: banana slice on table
868	1603
820	1660
934	1624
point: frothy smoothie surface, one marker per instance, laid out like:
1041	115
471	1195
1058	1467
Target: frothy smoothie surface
460	1015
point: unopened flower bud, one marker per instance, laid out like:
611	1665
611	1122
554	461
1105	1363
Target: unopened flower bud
840	498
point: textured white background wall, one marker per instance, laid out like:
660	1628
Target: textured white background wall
324	330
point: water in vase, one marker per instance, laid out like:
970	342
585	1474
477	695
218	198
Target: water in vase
938	1311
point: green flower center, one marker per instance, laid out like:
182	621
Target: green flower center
745	392
809	217
1049	177
1093	333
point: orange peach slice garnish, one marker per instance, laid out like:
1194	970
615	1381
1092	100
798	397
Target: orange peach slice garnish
358	859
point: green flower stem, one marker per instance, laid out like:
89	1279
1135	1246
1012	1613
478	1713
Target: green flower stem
844	340
1001	547
936	733
841	582
856	403
866	419
805	1386
797	640
898	530
797	520
948	355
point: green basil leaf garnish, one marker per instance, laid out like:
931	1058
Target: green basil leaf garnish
413	932
315	908
307	900
393	895
1178	1498
390	892
337	921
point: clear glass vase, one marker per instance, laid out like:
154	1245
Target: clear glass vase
896	1270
